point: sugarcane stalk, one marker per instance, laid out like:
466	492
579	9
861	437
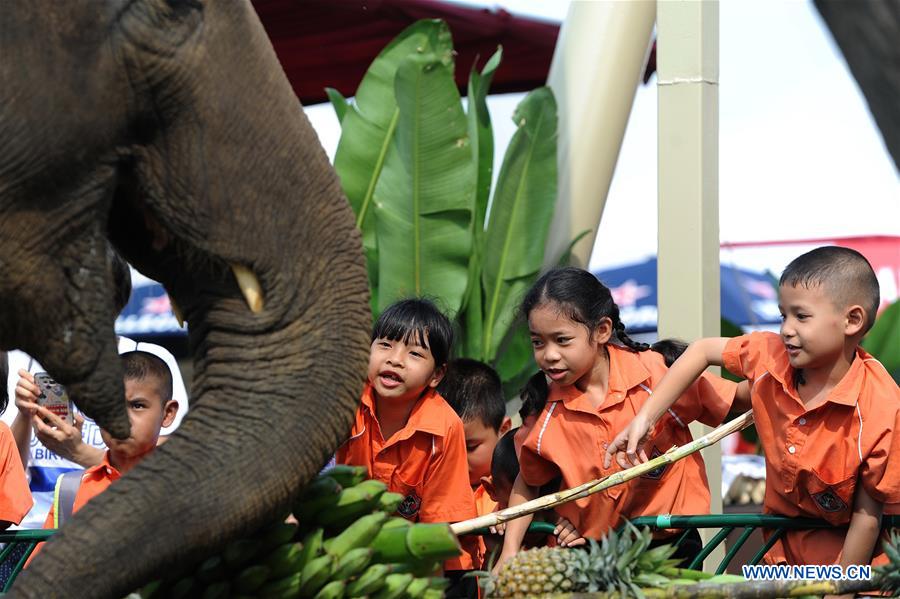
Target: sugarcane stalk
685	573
595	486
752	589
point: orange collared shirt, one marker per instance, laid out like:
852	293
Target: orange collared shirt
425	461
15	498
816	458
570	439
94	481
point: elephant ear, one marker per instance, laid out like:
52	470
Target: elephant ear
369	124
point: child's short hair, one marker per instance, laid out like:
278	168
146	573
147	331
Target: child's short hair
534	395
141	365
844	274
504	461
417	319
473	389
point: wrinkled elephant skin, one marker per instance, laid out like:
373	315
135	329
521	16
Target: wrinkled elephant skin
168	128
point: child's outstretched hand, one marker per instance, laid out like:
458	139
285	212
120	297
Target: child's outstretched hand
567	535
629	444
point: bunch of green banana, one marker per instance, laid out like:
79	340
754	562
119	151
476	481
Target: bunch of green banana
346	545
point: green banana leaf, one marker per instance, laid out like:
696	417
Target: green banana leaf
515	361
367	127
482	139
425	196
482	136
883	340
338	102
566	258
520	216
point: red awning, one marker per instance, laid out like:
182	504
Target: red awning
330	43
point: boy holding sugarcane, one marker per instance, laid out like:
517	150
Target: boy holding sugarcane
827	413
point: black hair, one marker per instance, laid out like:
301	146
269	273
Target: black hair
844	274
121	278
473	390
580	296
504	461
141	366
534	395
417	319
671	349
4	374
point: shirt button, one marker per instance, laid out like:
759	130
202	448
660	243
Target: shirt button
802	421
792	449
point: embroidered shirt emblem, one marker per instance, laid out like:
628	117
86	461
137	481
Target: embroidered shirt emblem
828	501
410	505
657	472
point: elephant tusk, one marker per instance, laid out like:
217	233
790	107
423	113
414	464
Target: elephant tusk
250	287
177	312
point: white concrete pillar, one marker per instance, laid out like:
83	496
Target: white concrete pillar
687	59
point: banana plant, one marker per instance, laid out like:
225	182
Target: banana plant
418	171
883	340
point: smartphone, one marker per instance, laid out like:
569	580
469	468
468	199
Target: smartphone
53	396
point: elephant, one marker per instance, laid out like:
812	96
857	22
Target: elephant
168	129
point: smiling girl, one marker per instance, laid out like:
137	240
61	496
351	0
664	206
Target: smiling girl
599	378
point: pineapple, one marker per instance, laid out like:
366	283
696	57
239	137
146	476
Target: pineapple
620	562
888	575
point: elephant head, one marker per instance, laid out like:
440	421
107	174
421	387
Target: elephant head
168	128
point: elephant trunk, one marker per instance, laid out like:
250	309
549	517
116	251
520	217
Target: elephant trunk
220	168
254	436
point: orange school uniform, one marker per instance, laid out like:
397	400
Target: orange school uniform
15	498
483	502
570	438
94	481
425	461
815	459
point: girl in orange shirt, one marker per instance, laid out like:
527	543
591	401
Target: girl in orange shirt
599	378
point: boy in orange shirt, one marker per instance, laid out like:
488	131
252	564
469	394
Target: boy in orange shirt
148	397
404	432
827	413
474	391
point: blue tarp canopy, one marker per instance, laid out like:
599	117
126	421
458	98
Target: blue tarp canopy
149	312
748	298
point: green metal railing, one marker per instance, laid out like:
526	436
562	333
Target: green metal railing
727	523
20	545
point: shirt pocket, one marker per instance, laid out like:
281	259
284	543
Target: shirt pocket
412	493
831	496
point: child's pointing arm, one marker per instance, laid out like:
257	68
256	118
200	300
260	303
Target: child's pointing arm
696	358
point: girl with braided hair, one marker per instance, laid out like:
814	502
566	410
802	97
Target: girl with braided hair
598	380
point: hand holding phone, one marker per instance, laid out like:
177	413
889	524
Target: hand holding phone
53	396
